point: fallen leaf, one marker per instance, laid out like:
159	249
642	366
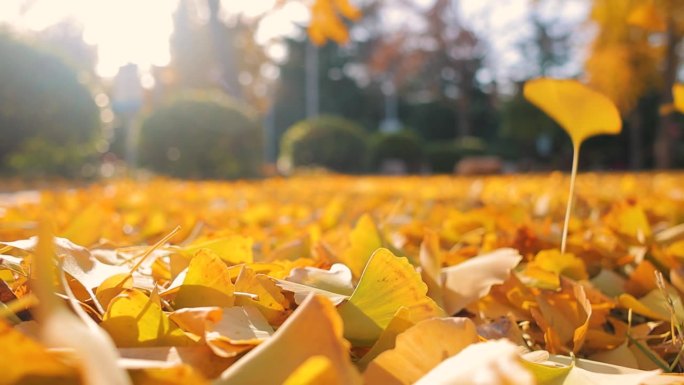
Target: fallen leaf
207	283
387	283
314	328
471	280
485	363
134	320
419	349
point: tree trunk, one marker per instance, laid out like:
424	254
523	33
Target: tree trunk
636	143
663	146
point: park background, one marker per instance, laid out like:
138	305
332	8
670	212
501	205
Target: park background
230	89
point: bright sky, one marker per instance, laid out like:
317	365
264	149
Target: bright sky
137	31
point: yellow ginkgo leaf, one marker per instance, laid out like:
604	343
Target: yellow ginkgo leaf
545	269
171	375
24	358
270	302
471	280
492	362
313	329
419	349
134	320
207	283
678	95
387	283
86	228
112	286
233	249
401	321
364	239
563	316
317	370
228	331
581	111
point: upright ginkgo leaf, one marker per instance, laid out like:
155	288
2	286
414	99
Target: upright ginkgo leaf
387	283
364	239
581	111
207	283
313	329
317	370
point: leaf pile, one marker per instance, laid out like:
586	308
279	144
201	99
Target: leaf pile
340	280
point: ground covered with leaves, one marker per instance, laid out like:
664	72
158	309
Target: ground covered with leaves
341	280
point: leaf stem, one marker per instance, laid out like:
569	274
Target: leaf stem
571	193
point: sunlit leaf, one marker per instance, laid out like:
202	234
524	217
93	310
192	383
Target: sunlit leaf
364	239
387	283
419	349
471	280
492	362
270	302
582	112
232	249
314	328
317	370
134	320
207	283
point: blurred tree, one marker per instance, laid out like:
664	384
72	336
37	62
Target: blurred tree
635	53
43	106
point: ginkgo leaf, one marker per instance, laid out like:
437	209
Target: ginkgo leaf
227	331
134	320
200	357
93	349
270	302
232	249
431	264
86	228
563	317
491	363
317	370
174	375
337	279
581	111
24	358
207	283
387	283
336	283
419	349
364	239
588	372
401	321
113	286
313	329
471	280
545	269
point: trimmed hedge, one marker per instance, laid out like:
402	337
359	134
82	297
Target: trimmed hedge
202	136
330	142
442	157
404	146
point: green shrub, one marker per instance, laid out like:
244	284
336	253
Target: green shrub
405	146
49	122
443	156
331	142
202	136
